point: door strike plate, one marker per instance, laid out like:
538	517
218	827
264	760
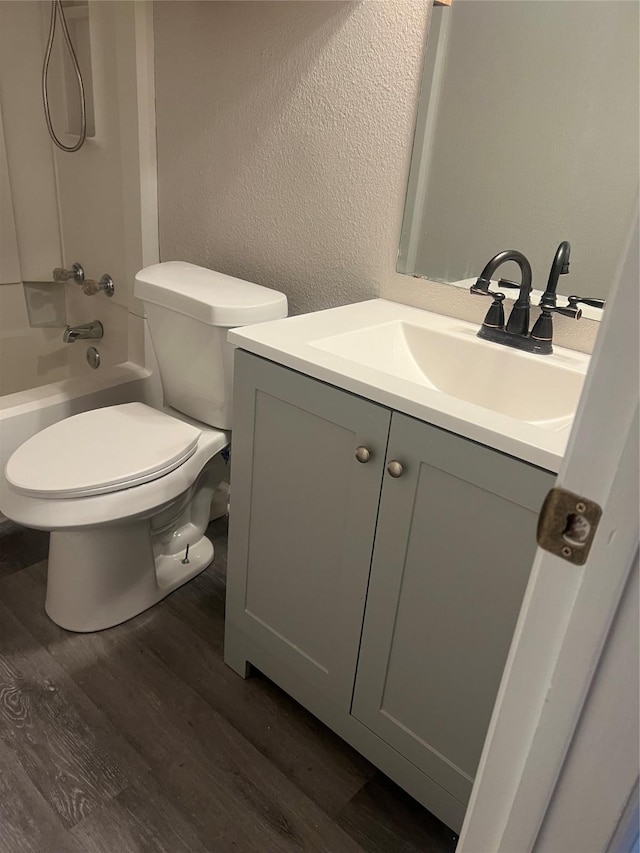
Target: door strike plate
567	525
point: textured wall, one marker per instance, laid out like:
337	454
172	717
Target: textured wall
284	139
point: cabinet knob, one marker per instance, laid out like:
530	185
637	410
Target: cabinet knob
363	454
395	468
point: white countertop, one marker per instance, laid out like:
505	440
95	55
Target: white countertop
290	342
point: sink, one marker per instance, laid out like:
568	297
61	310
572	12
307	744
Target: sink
527	387
434	368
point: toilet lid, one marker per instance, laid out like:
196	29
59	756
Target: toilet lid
101	451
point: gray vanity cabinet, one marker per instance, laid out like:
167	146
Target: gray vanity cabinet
454	547
384	602
303	520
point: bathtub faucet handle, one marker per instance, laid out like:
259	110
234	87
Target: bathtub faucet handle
76	274
90	286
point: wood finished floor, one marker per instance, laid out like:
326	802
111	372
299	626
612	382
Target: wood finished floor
141	739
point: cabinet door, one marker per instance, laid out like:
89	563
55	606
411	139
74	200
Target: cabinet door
302	523
454	547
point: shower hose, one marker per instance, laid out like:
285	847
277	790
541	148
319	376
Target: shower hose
56	9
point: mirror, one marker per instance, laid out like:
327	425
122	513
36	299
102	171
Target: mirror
527	135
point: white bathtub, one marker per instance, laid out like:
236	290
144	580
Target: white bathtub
25	413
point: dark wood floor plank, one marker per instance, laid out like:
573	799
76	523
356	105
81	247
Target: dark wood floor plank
20	548
307	752
43	727
235	797
327	769
384	819
27	824
204	761
137	821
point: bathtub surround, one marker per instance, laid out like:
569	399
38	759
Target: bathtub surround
285	132
30	160
132	744
97	206
29	357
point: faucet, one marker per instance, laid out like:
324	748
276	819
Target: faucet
84	332
542	332
493	327
560	266
516	332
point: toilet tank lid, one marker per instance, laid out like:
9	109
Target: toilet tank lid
211	297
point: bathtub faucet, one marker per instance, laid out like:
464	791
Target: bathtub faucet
84	332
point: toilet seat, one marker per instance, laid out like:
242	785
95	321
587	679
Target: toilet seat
101	451
116	506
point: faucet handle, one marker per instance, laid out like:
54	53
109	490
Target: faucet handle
76	273
567	311
90	287
482	285
587	300
495	315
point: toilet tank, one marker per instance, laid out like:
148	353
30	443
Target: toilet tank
189	311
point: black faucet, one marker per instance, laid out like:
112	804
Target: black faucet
517	327
542	332
560	266
516	332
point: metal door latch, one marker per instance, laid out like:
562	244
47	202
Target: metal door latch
567	525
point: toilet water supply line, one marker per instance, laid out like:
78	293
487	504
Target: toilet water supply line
56	9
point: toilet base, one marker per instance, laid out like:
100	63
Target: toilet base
100	577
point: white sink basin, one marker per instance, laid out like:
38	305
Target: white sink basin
455	361
434	368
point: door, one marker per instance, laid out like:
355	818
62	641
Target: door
302	523
567	613
448	575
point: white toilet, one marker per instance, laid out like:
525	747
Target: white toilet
126	490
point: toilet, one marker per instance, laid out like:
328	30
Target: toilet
126	490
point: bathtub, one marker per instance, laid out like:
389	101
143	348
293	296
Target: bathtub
25	413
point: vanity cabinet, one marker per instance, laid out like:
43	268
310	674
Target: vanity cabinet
381	594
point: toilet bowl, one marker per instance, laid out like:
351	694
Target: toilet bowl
122	507
126	490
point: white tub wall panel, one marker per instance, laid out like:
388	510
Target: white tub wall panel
153	388
29	357
34	360
113	347
89	181
13	309
100	190
29	151
135	339
9	257
135	95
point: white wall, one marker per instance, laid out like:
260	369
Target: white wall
284	140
